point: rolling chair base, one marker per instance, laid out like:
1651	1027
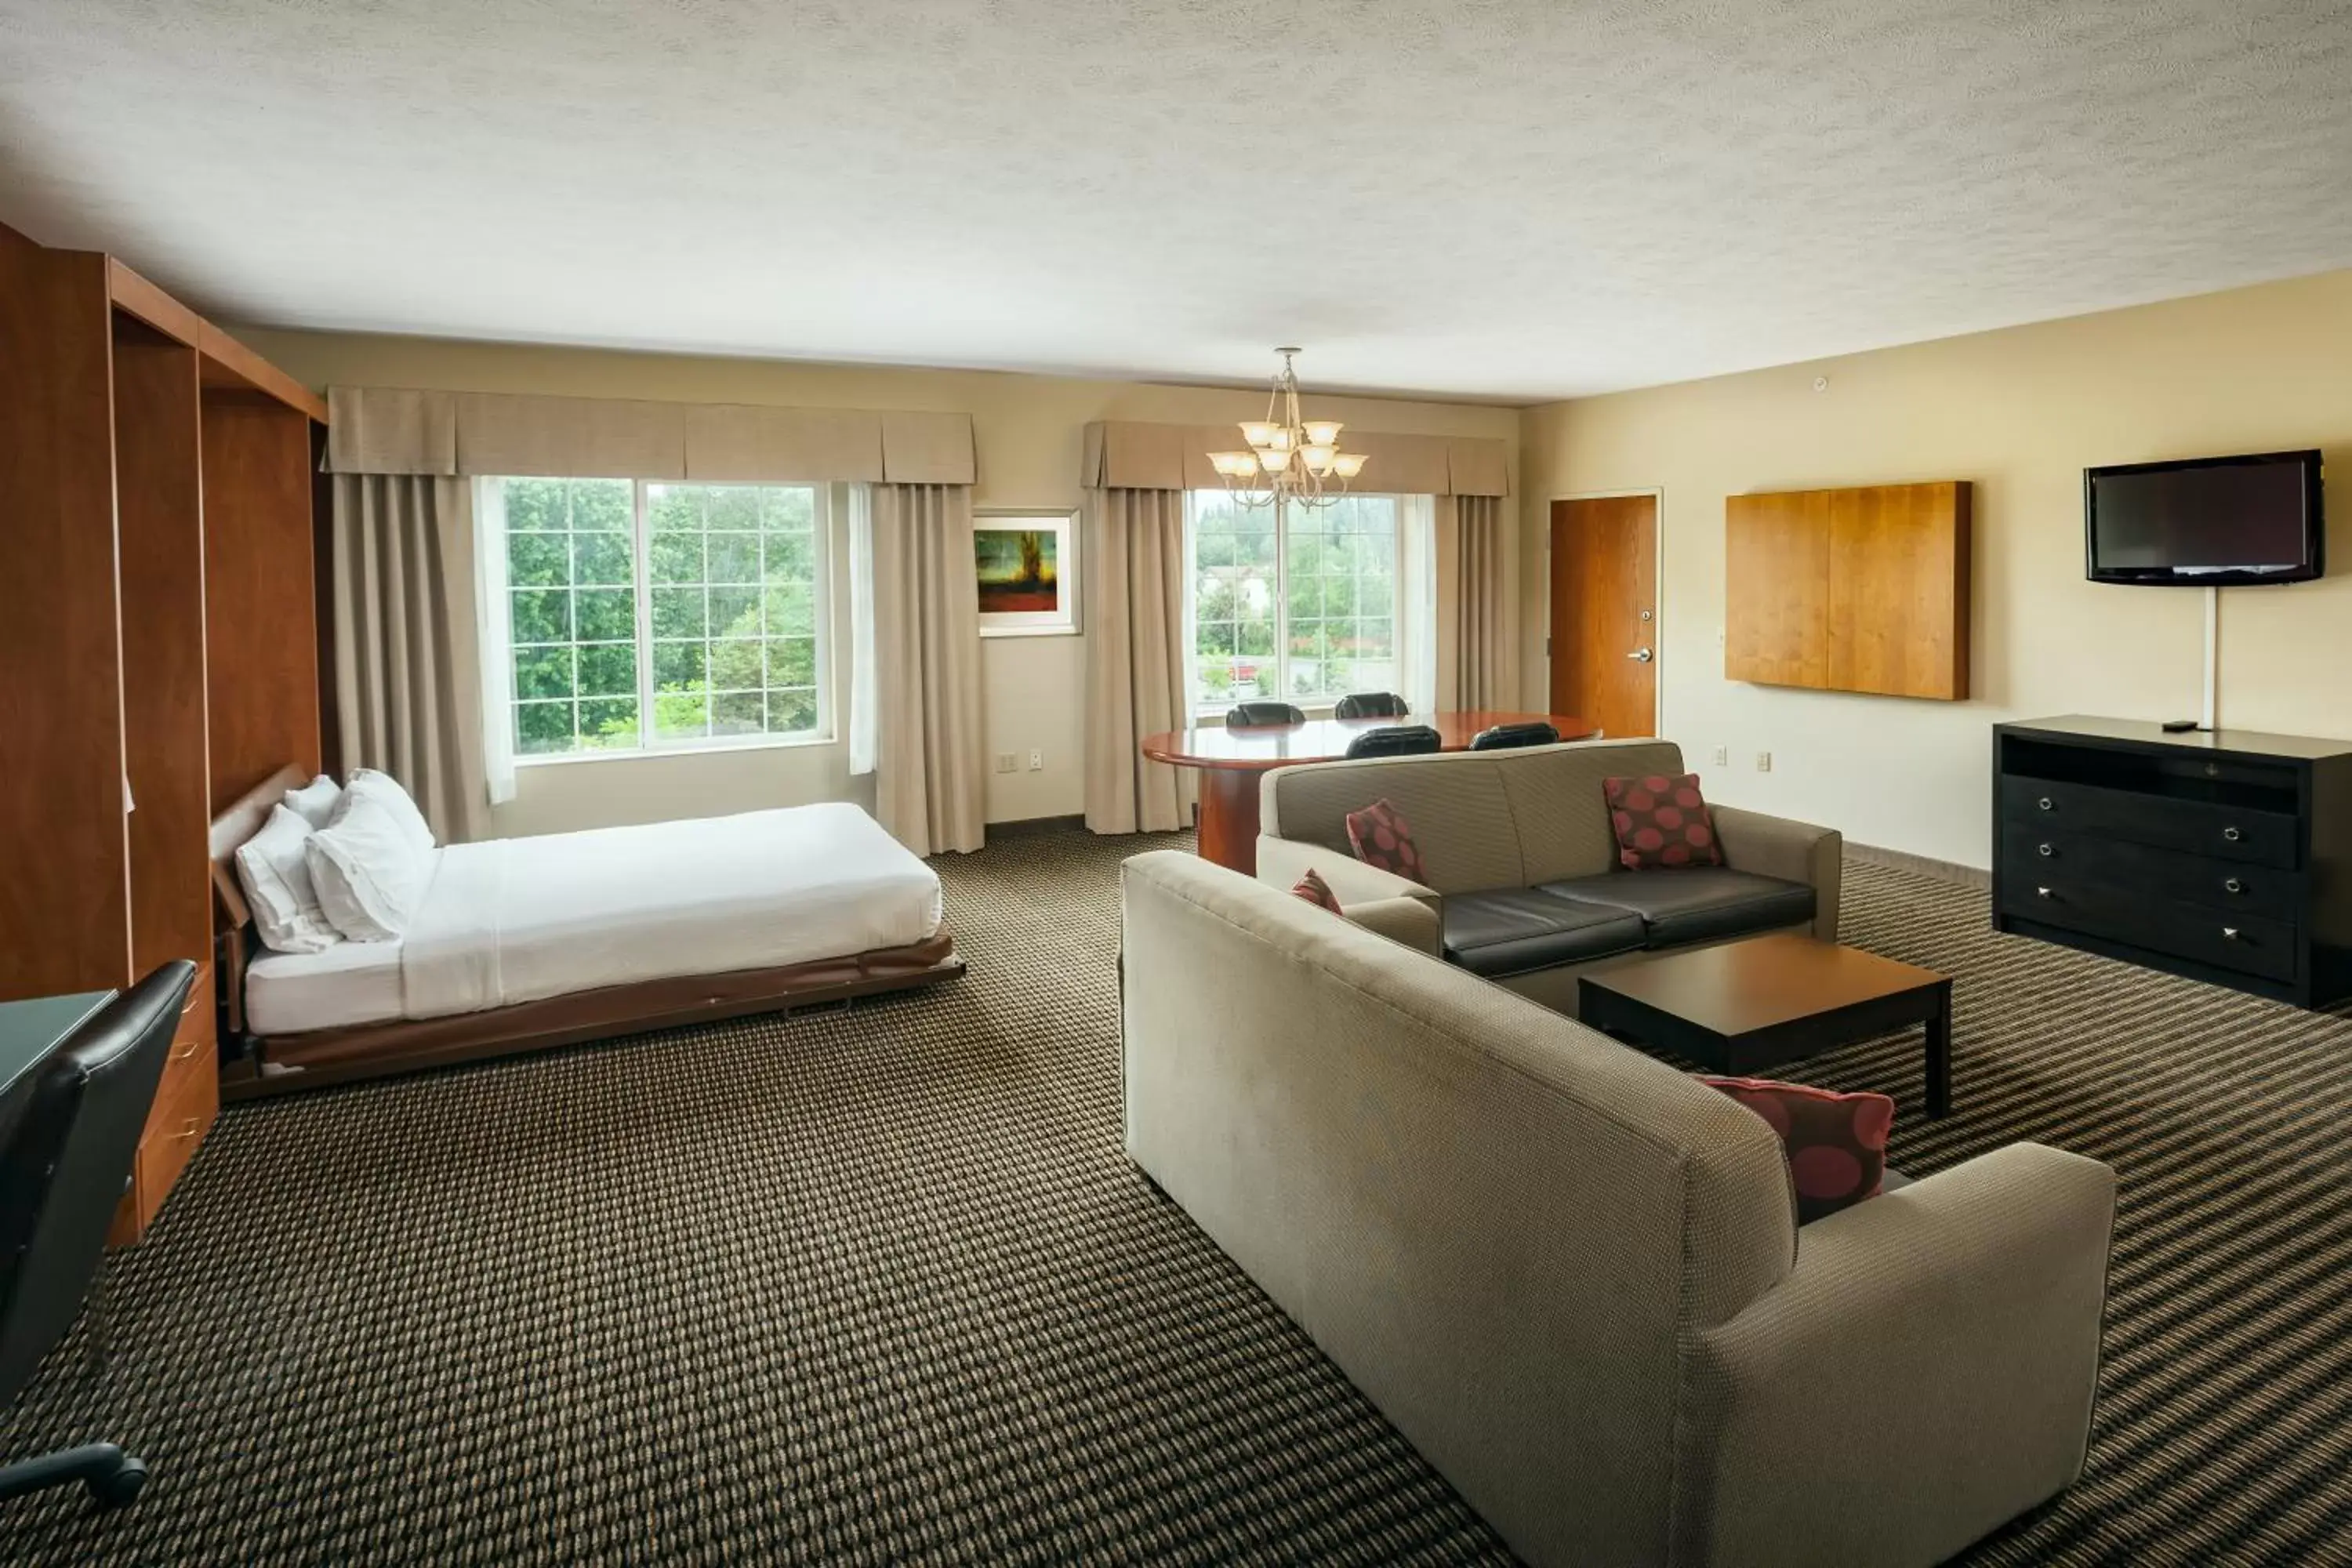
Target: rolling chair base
114	1477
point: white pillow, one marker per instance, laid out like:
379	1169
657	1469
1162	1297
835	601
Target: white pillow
277	878
366	784
369	869
314	803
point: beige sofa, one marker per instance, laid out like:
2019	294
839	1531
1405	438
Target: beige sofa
1523	886
1570	1275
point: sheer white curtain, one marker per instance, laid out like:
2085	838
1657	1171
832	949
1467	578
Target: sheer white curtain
493	634
1417	602
865	711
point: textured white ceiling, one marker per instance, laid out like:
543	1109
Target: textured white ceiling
1505	199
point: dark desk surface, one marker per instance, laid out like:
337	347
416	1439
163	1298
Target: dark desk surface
30	1030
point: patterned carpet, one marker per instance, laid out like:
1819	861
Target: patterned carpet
879	1286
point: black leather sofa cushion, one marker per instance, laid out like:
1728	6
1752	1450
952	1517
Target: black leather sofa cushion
1698	903
1512	930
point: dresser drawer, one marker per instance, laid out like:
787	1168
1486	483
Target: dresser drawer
2193	826
2143	870
2250	944
188	1099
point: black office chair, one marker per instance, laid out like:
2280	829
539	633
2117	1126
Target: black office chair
63	1168
1503	737
1369	705
1261	715
1396	741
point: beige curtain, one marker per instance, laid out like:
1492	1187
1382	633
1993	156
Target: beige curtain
408	695
1474	666
930	772
1135	658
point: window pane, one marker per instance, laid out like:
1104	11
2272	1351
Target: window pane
543	672
607	614
677	613
604	558
608	669
542	727
737	666
738	713
737	613
609	723
601	505
538	561
542	614
734	557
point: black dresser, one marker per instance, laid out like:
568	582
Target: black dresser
2224	856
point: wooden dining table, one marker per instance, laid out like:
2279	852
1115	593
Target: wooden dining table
1230	760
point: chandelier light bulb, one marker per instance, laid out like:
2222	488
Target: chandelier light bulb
1348	465
1258	433
1323	432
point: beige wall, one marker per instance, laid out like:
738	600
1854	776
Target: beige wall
2020	412
1029	432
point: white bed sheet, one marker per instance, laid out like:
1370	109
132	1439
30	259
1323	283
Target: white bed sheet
351	982
518	920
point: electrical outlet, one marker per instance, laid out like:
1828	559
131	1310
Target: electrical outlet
1723	756
1036	759
1763	762
1006	761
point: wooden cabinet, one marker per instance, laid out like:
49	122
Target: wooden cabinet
155	484
1852	590
2222	856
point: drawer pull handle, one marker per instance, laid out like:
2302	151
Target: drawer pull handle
191	1129
186	1049
2042	893
2229	933
2046	803
2233	885
2045	851
2232	834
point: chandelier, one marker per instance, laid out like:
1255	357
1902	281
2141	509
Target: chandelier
1289	459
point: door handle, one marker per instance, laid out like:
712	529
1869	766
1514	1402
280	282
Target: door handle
1641	655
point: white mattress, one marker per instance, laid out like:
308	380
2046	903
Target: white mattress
517	919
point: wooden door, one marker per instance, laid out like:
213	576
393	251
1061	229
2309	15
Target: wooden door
1604	613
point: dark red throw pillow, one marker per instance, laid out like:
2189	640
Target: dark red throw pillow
1662	822
1836	1143
1381	837
1315	891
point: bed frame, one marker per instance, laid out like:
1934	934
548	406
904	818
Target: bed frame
255	1064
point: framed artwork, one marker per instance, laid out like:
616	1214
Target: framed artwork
1027	567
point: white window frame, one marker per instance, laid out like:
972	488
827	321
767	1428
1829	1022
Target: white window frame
1205	707
499	685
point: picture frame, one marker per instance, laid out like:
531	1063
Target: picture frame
1025	564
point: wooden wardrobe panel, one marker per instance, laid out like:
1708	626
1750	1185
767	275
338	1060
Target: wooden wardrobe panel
65	921
159	513
1850	590
1777	598
262	662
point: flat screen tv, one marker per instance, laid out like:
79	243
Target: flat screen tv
2209	522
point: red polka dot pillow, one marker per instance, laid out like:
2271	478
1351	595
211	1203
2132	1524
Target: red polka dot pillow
1836	1143
1382	837
1662	822
1315	891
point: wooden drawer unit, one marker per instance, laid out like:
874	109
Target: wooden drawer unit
2142	870
2195	826
2222	856
186	1102
2247	942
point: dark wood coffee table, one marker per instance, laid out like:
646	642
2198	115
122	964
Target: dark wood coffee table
1744	1006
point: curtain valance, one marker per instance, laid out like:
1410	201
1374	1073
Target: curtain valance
402	430
1129	455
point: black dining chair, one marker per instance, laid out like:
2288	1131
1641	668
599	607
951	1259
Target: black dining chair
1369	705
1259	715
1503	737
65	1164
1396	741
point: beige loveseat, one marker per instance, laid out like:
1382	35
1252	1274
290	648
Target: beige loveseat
1522	883
1570	1275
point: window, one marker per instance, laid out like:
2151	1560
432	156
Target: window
1296	605
699	606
